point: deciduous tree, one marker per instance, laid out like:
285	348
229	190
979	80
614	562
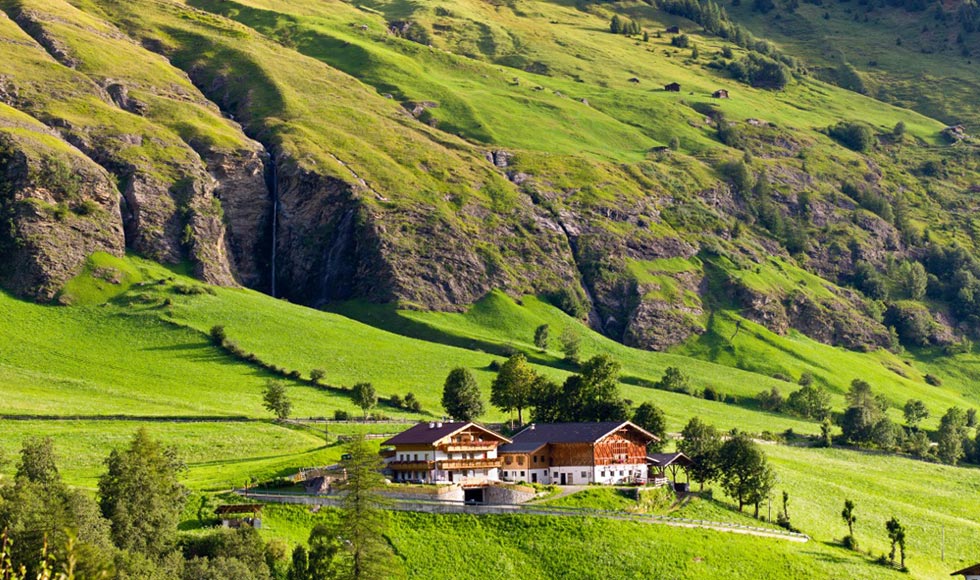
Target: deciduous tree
701	443
365	397
275	399
745	472
512	387
141	496
461	395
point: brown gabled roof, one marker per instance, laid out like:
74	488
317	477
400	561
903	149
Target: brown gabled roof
575	432
971	571
242	508
430	433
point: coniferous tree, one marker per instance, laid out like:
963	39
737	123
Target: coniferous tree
363	519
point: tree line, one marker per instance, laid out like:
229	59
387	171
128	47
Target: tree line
49	531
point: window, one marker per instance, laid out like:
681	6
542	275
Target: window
603	473
508	459
522	474
555	475
585	474
520	460
416	457
535	458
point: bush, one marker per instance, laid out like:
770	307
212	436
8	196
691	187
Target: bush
341	415
854	135
218	334
710	394
317	376
933	380
681	41
760	72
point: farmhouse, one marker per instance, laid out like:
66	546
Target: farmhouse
971	573
577	453
444	453
673	88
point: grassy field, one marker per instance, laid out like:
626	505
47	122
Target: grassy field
544	547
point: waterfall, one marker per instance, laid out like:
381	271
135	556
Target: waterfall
275	219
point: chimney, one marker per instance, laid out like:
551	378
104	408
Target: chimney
432	425
531	427
439	425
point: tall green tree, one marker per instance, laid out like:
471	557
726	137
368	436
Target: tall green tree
952	431
896	533
38	511
276	400
653	419
363	519
325	555
541	337
37	461
571	345
512	387
365	397
461	395
915	412
141	496
745	472
701	443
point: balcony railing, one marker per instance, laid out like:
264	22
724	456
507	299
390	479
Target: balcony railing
470	446
411	465
470	463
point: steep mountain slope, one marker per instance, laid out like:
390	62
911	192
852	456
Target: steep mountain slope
427	154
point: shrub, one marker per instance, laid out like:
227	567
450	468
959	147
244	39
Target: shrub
760	72
317	376
341	415
854	135
710	394
218	334
681	41
933	380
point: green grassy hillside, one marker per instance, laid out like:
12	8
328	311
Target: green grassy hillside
145	353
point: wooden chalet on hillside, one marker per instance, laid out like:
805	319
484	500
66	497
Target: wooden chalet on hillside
577	453
673	88
444	453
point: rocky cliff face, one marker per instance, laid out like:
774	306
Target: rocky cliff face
55	211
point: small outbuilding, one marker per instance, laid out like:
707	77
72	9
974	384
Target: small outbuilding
720	94
673	88
661	464
240	515
673	30
971	573
634	80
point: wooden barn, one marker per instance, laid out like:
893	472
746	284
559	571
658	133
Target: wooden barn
577	453
673	30
720	94
443	453
673	88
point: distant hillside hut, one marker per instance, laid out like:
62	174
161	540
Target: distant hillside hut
673	88
634	80
720	94
673	30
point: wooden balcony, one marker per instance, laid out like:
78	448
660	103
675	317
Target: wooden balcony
411	465
469	446
470	463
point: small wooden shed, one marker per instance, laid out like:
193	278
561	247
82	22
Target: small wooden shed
720	94
634	80
673	88
673	30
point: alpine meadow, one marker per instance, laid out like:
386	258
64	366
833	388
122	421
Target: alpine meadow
479	289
